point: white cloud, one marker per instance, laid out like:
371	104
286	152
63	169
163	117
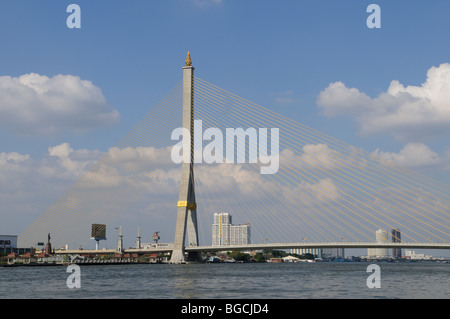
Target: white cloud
320	192
61	151
13	157
409	113
37	104
12	167
319	155
413	155
322	157
337	99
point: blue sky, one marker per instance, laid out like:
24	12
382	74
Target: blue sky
279	54
257	49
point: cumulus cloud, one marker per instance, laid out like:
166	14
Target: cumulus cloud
13	157
320	192
12	167
37	104
313	158
408	112
414	155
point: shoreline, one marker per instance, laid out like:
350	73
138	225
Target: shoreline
50	264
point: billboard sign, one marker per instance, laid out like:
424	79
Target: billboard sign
98	231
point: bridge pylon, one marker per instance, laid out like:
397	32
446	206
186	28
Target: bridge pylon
187	206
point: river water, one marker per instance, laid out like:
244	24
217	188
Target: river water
234	281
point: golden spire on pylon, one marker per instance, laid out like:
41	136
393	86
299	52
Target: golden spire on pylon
188	60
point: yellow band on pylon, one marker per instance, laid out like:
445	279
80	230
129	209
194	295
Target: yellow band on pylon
183	203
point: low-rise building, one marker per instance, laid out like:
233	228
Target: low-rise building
8	241
411	254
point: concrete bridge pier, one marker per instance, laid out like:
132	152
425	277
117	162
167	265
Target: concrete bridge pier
187	206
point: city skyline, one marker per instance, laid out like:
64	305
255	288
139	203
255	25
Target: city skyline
79	91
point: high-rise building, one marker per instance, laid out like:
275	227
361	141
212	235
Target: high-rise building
396	238
221	229
381	236
225	233
240	234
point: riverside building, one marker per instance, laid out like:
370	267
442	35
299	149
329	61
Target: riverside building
396	238
225	233
381	236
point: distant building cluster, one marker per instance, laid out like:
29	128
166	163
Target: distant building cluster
225	233
381	236
411	254
320	252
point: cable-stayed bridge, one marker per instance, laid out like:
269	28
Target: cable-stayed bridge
319	191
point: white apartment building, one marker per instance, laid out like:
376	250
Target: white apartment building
225	233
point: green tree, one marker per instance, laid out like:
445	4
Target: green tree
239	256
259	258
279	254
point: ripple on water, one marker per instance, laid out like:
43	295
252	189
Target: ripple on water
234	281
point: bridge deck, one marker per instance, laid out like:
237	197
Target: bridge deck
269	246
323	245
